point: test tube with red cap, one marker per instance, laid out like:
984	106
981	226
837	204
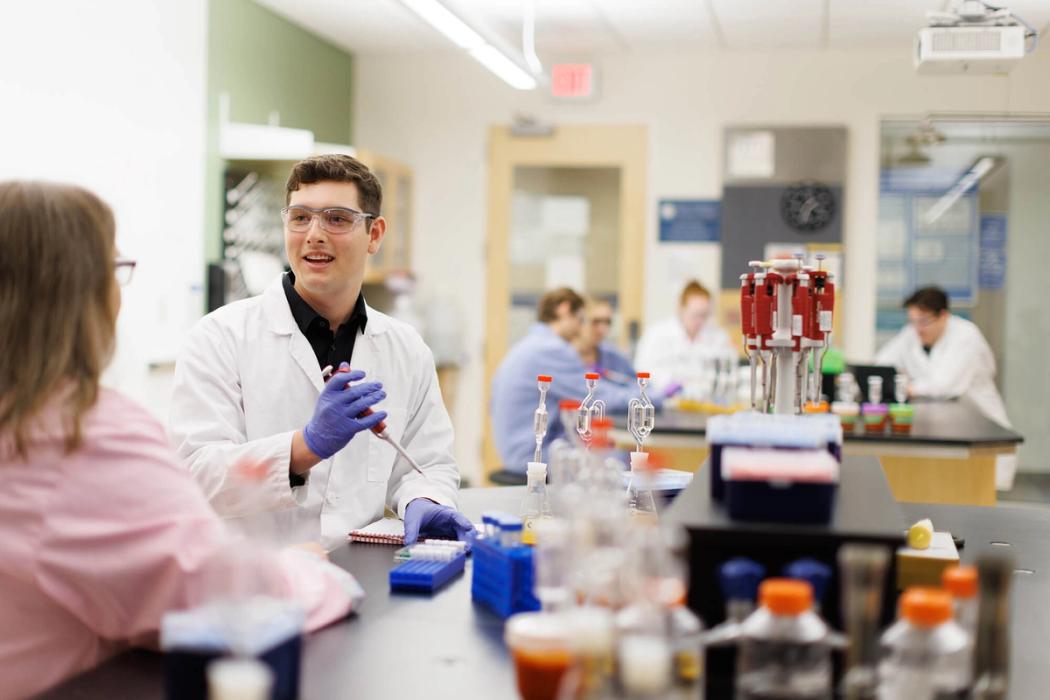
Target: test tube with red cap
540	417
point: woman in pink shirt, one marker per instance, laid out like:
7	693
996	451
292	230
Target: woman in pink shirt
101	529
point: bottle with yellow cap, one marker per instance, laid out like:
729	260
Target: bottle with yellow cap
785	649
925	653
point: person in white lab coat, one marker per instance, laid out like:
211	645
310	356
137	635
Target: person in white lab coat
249	387
675	351
944	356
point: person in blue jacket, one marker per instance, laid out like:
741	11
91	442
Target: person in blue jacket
598	354
546	349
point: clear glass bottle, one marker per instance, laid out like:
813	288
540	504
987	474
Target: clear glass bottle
536	504
645	658
925	652
641	504
784	651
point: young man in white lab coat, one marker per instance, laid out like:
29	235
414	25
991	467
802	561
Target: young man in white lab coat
674	351
249	388
944	356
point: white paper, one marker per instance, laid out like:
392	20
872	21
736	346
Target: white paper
565	271
751	154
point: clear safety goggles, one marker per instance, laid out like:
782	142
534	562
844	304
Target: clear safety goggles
335	220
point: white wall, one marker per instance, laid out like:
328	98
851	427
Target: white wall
110	96
433	110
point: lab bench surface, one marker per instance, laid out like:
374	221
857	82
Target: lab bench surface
944	423
950	456
442	646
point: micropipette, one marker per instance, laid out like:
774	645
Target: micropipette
539	418
379	430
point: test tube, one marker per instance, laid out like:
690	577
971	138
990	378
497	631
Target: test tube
510	531
875	389
900	387
488	525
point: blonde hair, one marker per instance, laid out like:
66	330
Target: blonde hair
58	311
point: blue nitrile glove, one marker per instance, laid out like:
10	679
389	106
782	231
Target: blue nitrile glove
671	389
424	517
335	418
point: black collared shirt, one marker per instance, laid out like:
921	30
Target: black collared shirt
330	348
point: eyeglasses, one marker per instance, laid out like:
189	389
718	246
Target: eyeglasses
335	220
601	321
922	321
124	268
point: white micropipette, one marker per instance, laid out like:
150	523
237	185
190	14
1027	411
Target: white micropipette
379	430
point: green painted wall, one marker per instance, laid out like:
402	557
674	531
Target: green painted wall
266	63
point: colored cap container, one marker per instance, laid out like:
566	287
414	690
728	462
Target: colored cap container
785	596
926	607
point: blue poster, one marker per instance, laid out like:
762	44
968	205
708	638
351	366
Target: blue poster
690	220
991	270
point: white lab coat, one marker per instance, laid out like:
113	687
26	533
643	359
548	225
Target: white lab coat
247	379
959	365
669	355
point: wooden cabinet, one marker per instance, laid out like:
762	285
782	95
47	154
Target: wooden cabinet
398	192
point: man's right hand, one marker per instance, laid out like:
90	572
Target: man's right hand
335	418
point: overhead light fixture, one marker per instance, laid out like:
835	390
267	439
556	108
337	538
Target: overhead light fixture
459	33
508	71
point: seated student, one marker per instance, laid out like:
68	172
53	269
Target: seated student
944	356
599	355
102	530
674	351
547	349
249	383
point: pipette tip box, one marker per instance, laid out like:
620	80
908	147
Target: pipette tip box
425	575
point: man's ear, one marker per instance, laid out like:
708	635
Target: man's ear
376	233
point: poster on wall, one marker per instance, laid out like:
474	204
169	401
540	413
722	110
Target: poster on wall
991	266
690	220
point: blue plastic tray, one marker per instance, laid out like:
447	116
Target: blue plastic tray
503	578
425	576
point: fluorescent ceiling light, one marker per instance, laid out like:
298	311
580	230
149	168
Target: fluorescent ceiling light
440	18
509	71
456	30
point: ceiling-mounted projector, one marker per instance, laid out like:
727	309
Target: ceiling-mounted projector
974	39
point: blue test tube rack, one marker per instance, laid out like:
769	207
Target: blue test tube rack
425	575
503	578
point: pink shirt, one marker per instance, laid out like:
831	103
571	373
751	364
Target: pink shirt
96	545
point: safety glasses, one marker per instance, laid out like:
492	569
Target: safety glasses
334	220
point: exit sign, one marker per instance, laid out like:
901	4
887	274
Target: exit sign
572	80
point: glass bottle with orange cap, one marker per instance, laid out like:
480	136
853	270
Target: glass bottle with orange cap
925	651
961	582
785	649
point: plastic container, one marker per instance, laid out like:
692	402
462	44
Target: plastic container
502	578
751	429
784	649
540	646
818	407
645	658
901	416
239	679
816	573
796	486
848	413
739	579
641	504
536	503
687	649
426	575
925	653
961	583
875	417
